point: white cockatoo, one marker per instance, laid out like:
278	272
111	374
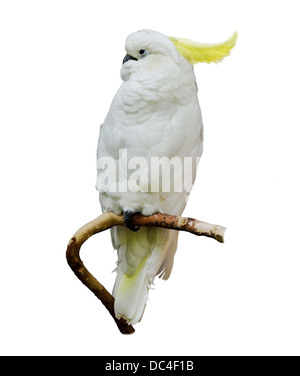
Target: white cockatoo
154	116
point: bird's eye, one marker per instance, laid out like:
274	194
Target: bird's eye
143	53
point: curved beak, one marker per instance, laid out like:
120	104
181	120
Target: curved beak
127	58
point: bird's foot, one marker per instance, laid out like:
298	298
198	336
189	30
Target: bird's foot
128	221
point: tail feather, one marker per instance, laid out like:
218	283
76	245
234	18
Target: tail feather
131	294
141	256
165	270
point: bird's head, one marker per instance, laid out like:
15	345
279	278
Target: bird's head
149	50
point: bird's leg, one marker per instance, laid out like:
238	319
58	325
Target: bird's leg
128	221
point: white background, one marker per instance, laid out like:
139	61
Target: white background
60	64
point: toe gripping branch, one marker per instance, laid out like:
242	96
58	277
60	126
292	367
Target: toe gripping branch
129	221
132	221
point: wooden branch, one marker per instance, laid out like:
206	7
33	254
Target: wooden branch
101	223
108	220
173	222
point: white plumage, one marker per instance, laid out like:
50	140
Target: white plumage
155	113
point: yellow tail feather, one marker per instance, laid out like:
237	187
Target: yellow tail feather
128	282
203	52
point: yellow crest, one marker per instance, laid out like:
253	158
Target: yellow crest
204	52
